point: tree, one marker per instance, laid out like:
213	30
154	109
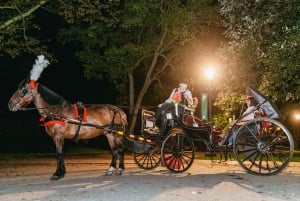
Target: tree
17	30
262	49
142	36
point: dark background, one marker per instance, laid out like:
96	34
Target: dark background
20	131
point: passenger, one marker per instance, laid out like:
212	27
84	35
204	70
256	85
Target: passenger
178	95
250	113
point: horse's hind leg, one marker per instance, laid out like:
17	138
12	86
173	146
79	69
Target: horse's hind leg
60	168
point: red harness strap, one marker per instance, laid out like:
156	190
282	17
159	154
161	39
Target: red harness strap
77	115
80	114
46	122
54	122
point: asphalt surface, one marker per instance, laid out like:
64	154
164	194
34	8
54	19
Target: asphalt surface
29	179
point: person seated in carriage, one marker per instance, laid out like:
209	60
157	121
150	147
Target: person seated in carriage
250	113
180	95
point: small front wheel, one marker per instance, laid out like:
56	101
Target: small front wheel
263	146
177	153
148	160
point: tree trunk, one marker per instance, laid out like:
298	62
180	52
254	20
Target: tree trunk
131	95
150	77
138	105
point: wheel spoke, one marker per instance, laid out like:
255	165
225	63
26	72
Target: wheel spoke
177	152
263	146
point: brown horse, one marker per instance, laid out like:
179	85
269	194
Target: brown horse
63	120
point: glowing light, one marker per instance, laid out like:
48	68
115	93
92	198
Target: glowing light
209	73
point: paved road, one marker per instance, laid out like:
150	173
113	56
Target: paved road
28	179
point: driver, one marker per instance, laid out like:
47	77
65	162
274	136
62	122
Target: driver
178	95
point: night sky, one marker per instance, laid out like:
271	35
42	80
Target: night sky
20	131
65	77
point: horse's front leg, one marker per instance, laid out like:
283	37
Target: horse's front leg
121	161
116	145
60	167
112	167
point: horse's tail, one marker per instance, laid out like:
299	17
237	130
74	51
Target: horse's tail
125	123
122	118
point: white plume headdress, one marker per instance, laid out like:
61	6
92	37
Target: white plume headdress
40	64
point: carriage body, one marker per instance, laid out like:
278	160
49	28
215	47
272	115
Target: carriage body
262	146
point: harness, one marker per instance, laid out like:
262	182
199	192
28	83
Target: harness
50	119
81	120
80	114
80	117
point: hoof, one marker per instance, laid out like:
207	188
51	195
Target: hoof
110	171
56	177
119	171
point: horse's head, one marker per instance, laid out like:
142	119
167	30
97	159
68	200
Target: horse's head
23	96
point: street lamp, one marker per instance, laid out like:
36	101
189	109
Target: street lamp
209	73
297	116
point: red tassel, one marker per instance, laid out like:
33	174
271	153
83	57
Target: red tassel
32	83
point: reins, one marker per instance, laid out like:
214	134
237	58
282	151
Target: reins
56	117
32	108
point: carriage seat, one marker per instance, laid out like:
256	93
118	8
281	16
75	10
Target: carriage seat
188	118
148	122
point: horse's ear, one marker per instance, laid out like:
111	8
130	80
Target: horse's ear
23	82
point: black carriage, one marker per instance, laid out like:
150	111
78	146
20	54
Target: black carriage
262	146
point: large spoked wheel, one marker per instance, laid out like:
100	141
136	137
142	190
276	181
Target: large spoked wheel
177	153
263	146
149	160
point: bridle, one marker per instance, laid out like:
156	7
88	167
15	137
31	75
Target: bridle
26	91
22	97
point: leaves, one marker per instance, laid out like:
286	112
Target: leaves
263	47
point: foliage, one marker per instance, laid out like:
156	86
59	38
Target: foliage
262	49
141	39
17	30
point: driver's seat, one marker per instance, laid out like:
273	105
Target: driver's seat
148	122
188	116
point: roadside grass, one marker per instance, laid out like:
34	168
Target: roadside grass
86	151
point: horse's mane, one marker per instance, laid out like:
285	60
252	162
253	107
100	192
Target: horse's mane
50	96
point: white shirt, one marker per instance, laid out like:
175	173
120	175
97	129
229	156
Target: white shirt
187	95
249	113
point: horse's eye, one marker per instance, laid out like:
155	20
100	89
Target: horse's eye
23	92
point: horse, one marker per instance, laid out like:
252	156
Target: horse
64	120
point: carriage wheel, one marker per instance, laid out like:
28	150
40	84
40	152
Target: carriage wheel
177	152
263	146
149	160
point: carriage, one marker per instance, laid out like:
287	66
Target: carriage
262	146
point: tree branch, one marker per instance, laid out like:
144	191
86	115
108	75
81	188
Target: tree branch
22	16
